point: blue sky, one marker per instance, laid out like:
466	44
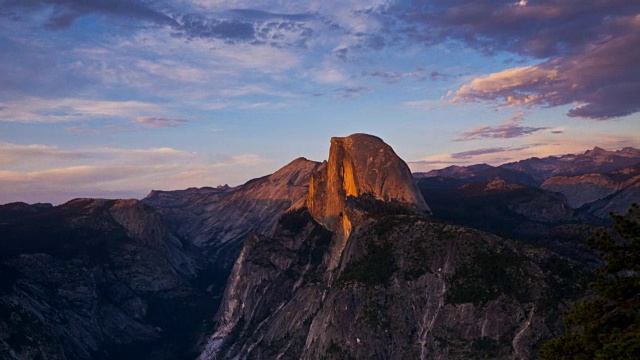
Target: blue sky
115	98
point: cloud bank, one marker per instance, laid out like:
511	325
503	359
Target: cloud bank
590	50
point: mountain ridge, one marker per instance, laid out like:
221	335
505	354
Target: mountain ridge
400	283
584	179
254	271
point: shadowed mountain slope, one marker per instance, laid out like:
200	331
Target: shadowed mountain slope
107	279
92	279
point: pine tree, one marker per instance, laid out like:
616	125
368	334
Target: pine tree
607	325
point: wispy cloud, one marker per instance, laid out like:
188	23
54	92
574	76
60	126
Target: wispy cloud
349	92
255	89
392	77
244	159
41	110
512	128
141	123
589	50
489	155
157	121
598	83
538	29
205	72
40	155
49	173
15	154
516	86
484	151
230	26
329	72
423	104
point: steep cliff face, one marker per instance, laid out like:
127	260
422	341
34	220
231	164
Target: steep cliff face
275	288
424	290
391	283
615	188
583	189
358	165
406	288
617	202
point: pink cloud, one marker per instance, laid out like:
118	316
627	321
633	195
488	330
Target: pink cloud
512	128
600	82
589	50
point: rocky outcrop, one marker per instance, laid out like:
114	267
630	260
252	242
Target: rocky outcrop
399	285
407	288
276	286
344	263
358	165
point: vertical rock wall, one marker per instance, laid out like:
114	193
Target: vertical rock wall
358	165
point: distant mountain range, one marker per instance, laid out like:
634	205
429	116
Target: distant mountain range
596	160
554	201
334	260
598	180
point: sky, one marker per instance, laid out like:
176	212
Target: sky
115	98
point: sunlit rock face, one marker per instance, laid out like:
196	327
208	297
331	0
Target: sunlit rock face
216	216
358	164
217	220
362	273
